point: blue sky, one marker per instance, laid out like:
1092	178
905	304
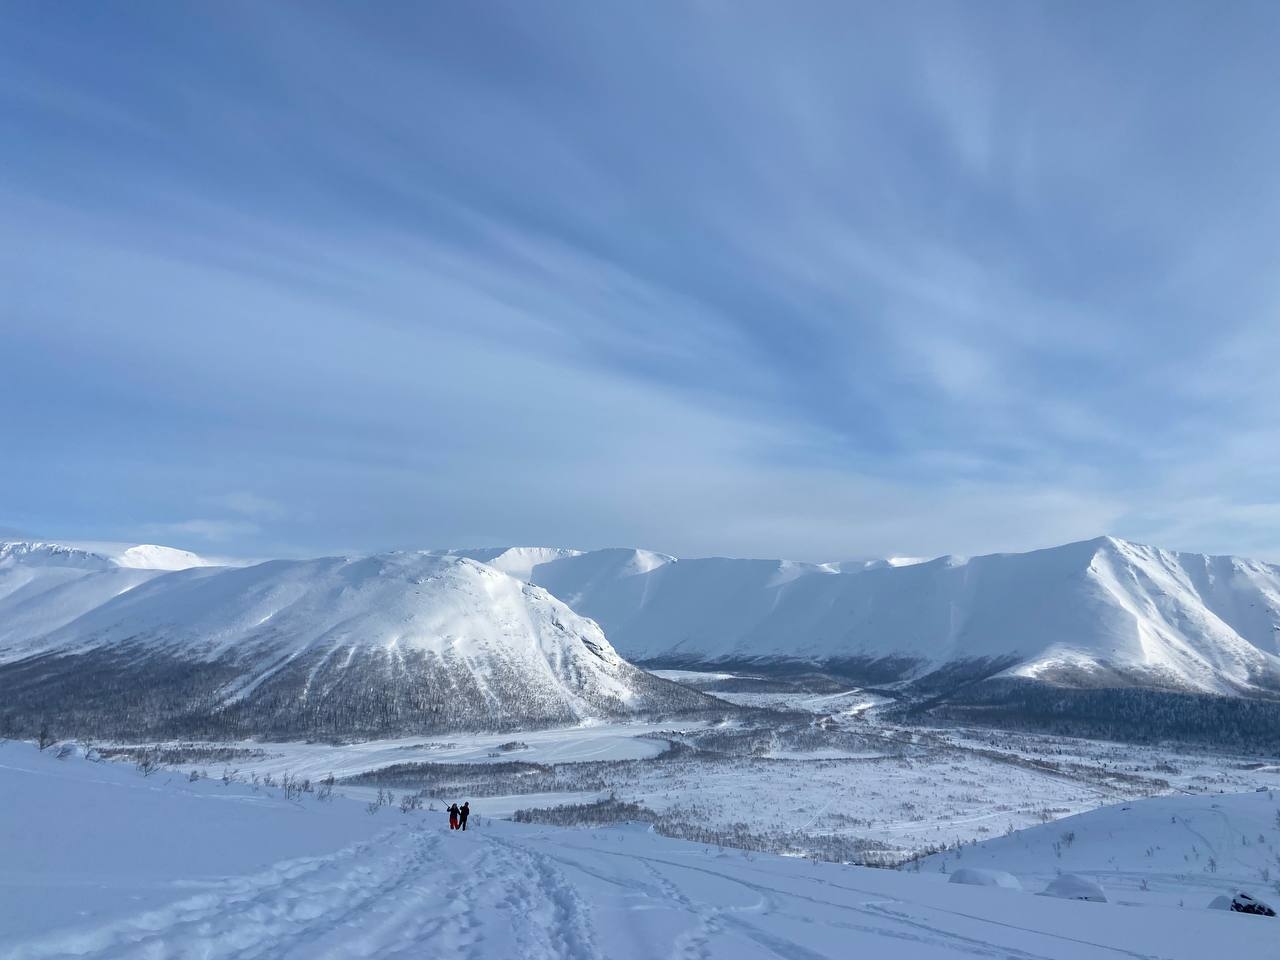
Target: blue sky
812	280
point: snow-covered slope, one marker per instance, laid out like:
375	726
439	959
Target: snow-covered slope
98	863
1099	611
393	641
45	585
142	556
517	561
1158	850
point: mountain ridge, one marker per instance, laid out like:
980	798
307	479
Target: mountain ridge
1098	611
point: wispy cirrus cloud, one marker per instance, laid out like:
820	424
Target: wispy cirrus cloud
824	282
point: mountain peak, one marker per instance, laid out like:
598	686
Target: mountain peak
96	553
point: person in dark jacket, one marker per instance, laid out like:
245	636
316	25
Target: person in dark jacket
453	817
464	813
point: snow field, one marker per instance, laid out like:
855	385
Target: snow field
903	792
269	878
1162	850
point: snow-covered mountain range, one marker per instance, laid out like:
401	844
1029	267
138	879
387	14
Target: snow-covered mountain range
402	641
527	636
1101	611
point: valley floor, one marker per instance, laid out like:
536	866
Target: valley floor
859	790
99	861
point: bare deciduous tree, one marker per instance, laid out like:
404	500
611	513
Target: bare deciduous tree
149	761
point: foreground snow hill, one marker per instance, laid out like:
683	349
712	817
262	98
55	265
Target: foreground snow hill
334	646
97	861
1160	850
1099	612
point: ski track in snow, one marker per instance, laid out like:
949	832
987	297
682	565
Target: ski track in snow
388	898
256	877
317	907
421	891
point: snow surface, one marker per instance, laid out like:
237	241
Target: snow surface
144	556
1160	850
44	586
979	877
905	791
1071	887
99	862
584	743
1082	611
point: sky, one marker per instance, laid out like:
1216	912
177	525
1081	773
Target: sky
817	280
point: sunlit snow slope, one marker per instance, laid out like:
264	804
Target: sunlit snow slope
46	585
1099	611
402	641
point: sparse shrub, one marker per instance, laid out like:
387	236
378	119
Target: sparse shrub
65	751
148	762
44	740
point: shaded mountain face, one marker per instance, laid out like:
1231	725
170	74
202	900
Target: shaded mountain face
334	647
1102	612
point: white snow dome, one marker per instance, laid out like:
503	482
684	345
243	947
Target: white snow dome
979	877
1069	886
